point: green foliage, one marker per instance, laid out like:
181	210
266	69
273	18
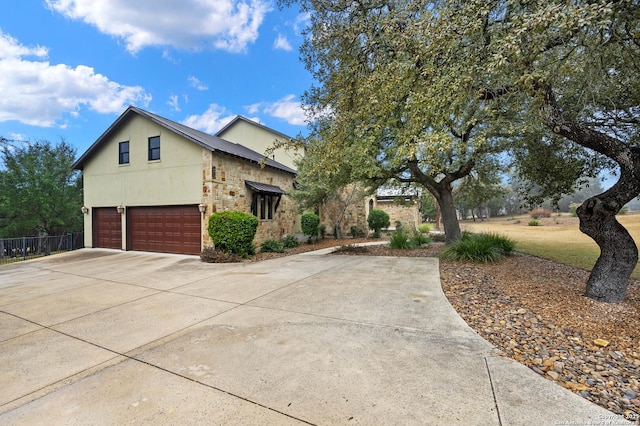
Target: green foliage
399	239
479	248
39	191
310	222
354	231
290	241
419	239
573	209
377	220
322	230
402	239
233	232
534	222
424	228
272	246
624	210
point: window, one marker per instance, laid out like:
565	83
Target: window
263	206
154	148
123	153
265	200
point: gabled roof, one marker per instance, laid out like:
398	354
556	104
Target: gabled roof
205	140
240	118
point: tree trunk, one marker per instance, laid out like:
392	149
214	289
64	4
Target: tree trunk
449	216
618	252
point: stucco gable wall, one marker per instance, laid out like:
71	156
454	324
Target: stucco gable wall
228	192
258	139
174	179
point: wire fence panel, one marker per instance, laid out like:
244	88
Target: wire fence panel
17	249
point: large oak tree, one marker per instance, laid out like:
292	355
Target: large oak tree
425	87
377	108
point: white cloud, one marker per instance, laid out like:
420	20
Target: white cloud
195	82
173	102
282	43
192	24
38	93
212	120
286	108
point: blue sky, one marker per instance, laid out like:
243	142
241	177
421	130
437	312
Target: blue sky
68	68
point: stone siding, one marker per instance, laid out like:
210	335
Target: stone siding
408	212
227	191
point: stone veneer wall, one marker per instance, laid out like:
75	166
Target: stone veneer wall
355	214
408	214
228	192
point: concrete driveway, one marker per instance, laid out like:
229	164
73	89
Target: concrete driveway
108	337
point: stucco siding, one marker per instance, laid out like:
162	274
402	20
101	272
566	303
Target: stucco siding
259	140
174	179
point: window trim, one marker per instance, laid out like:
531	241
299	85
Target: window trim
153	153
121	153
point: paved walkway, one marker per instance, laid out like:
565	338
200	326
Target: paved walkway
107	337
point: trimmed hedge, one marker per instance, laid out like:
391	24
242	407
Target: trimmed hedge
310	224
377	220
233	232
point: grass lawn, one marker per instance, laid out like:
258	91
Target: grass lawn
557	238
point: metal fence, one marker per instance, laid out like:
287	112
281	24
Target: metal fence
16	249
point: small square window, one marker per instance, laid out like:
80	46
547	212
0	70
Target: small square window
123	153
154	148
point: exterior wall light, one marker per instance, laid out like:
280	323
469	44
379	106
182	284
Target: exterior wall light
202	208
120	209
84	209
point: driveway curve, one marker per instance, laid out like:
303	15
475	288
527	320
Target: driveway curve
109	337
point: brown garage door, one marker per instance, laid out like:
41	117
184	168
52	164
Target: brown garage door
107	227
166	229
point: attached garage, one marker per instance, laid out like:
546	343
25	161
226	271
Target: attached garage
164	229
107	228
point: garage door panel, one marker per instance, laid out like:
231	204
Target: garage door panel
107	228
166	229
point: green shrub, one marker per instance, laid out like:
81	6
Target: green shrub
418	239
290	241
233	232
322	230
534	222
479	248
377	220
272	246
310	224
624	210
399	239
424	228
354	231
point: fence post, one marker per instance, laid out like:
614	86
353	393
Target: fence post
69	241
24	248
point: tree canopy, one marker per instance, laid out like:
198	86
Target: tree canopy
423	90
39	191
